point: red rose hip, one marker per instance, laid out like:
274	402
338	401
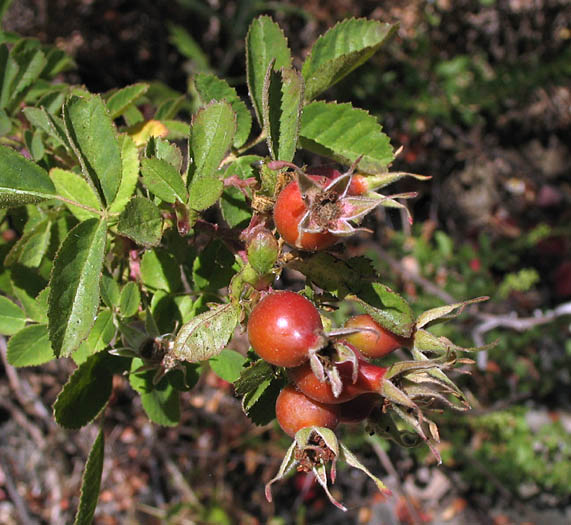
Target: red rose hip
284	327
374	341
295	411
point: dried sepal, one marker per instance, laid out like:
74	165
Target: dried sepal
351	459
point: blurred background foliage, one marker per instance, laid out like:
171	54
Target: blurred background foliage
478	93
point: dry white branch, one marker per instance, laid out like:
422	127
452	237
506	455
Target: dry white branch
520	324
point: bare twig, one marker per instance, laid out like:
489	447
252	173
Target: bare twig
512	321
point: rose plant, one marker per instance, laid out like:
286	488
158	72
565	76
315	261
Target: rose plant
144	241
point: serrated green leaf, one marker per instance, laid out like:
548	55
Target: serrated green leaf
129	173
119	101
141	222
21	180
344	133
207	334
86	393
30	61
386	307
212	269
94	141
210	87
282	102
204	192
130	299
100	336
31	291
160	270
211	135
253	376
342	49
162	405
236	210
74	285
228	365
9	70
30	346
12	318
31	247
260	404
91	482
165	150
160	401
162	179
50	124
110	292
328	272
73	187
265	41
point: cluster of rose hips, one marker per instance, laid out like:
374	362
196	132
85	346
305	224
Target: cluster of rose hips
286	330
330	378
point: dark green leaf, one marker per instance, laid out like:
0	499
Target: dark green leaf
253	376
228	365
386	307
236	210
94	142
30	61
73	187
30	346
31	247
342	49
160	270
210	88
86	393
344	133
53	126
12	318
21	180
211	135
130	299
160	401
282	102
260	404
329	273
213	267
119	101
265	41
74	285
91	482
207	334
129	173
165	150
162	179
100	336
110	292
141	221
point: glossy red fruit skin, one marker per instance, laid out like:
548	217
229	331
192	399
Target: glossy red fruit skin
373	344
357	409
283	327
288	212
295	411
369	380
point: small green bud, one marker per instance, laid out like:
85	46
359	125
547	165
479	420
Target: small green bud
262	251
